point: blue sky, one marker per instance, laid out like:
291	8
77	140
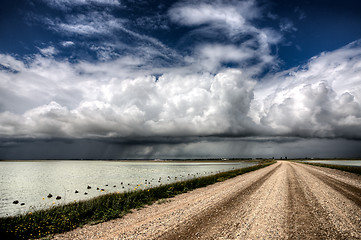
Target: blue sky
163	79
307	28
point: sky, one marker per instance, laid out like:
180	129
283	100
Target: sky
115	79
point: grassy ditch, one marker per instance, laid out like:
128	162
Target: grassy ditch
64	218
351	169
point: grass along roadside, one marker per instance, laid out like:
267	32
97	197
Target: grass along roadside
66	217
351	169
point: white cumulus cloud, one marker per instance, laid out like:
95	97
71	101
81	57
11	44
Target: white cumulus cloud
321	99
74	102
232	15
49	98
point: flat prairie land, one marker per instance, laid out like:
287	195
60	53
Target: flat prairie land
286	200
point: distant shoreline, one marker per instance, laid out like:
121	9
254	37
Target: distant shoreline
136	160
185	159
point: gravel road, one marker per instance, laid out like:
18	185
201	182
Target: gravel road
283	201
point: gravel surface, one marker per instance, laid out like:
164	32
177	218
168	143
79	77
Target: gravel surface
283	201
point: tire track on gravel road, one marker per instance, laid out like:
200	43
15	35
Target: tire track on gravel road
351	192
306	216
206	220
336	213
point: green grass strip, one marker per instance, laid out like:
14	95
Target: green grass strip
67	217
351	169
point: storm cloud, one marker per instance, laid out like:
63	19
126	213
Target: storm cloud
138	90
47	98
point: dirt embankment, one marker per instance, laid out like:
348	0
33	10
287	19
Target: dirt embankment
283	201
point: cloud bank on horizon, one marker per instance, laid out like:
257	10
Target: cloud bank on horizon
221	78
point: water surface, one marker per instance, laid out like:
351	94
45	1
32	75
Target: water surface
356	163
30	182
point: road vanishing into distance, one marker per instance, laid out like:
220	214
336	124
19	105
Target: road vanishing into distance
286	200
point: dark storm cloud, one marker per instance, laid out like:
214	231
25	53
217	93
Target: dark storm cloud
204	148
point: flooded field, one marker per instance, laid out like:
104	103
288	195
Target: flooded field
37	184
356	163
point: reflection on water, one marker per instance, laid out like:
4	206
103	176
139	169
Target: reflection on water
30	182
356	163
